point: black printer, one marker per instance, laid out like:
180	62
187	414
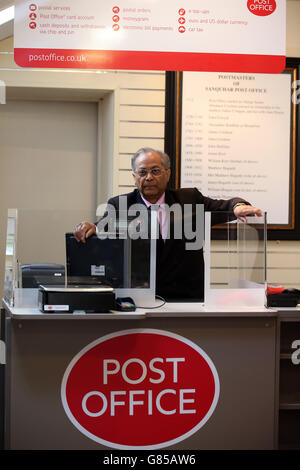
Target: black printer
89	299
49	274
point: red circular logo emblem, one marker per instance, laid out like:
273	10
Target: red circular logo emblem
141	388
261	7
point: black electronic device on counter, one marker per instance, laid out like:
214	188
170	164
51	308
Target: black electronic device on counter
285	298
118	262
47	274
125	304
90	299
95	262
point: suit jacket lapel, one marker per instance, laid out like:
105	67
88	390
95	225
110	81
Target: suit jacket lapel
138	197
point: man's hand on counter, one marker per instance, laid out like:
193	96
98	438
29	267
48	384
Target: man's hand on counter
84	230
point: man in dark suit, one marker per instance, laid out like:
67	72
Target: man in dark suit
179	271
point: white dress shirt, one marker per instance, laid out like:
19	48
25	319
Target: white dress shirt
161	214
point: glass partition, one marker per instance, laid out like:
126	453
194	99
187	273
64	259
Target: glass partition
10	270
235	261
41	250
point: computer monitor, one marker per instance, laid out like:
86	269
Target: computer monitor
96	262
120	262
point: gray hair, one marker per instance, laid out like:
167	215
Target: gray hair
143	151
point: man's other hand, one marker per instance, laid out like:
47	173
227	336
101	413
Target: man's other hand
243	210
84	230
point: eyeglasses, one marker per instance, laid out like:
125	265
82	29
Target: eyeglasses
142	172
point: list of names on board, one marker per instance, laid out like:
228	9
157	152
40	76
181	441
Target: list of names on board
235	138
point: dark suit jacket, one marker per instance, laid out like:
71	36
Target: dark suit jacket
180	272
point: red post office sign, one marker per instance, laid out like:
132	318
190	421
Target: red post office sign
261	7
140	389
212	35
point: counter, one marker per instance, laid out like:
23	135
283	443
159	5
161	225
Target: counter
175	349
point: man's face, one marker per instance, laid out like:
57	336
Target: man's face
150	176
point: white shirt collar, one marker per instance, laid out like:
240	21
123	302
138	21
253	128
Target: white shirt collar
160	201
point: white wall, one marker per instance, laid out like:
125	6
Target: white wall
292	28
129	114
133	103
48	149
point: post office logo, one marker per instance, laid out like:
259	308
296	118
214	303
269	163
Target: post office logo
140	389
261	7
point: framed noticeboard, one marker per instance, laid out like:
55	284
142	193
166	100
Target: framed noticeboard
232	134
